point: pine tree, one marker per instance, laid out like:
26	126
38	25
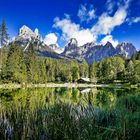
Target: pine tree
75	72
119	65
136	78
3	34
93	71
15	70
83	69
31	62
130	71
3	40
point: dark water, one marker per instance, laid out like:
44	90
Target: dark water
35	113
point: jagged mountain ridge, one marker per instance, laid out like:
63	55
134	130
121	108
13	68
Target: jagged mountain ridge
91	52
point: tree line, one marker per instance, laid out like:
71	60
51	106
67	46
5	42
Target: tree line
116	69
27	67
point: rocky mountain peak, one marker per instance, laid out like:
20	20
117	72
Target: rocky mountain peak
126	49
36	32
72	45
25	31
73	41
108	44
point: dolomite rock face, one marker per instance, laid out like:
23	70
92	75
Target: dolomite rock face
92	52
126	49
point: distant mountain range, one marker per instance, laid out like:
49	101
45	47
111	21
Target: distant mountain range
91	52
94	52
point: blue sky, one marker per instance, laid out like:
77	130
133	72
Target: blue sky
86	20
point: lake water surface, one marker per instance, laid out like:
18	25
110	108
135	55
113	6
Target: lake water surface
70	113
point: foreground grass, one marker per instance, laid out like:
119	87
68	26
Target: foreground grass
67	122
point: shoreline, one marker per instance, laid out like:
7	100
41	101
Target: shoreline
55	85
50	85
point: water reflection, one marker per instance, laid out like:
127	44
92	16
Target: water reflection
104	98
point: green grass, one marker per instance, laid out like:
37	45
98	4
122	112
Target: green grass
64	121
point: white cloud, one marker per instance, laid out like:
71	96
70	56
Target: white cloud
73	30
133	20
67	16
137	19
110	5
68	28
91	14
84	36
106	23
126	3
84	14
50	39
109	38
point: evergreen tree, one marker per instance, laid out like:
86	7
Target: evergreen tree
83	69
100	70
41	71
15	69
136	56
109	70
31	65
50	70
137	71
130	71
75	72
3	40
119	65
93	71
3	34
